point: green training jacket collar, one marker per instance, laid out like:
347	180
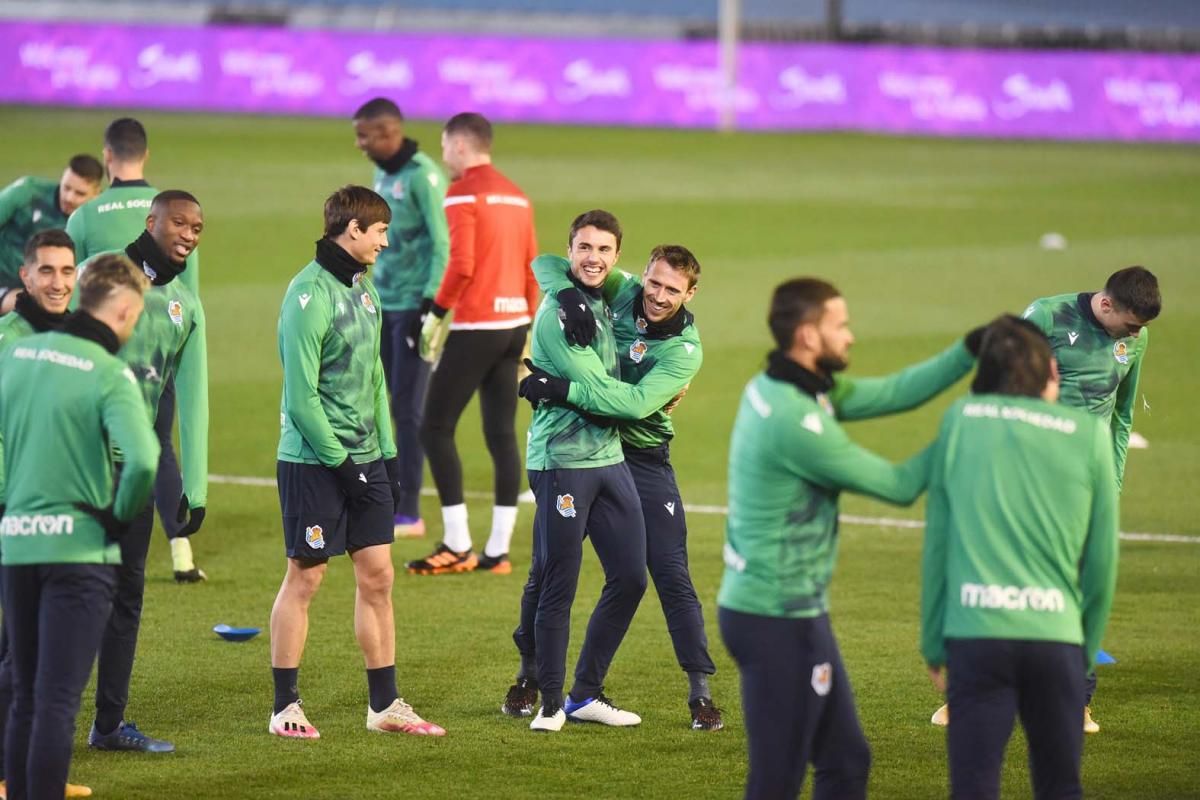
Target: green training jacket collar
39	318
117	183
405	154
146	253
334	259
782	368
85	326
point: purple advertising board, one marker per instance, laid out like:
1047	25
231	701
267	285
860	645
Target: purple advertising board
892	89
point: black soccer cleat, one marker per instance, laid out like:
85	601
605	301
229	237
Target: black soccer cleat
193	575
521	698
705	715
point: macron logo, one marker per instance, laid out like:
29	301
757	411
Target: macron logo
812	422
362	477
670	507
1013	598
1072	336
689	347
304	298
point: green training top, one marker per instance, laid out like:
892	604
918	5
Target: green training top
656	365
789	459
84	398
410	268
169	342
1021	526
13	327
116	217
1099	374
564	437
27	205
334	402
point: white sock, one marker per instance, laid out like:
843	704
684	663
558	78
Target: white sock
504	519
458	535
181	554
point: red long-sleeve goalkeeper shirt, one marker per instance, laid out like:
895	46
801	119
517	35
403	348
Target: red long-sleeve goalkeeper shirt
488	282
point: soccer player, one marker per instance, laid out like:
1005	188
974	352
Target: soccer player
167	344
339	480
1019	565
407	277
64	398
108	223
583	486
1099	341
489	287
29	205
48	278
658	345
788	461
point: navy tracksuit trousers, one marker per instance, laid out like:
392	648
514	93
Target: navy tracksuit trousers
667	556
55	616
600	503
990	683
798	707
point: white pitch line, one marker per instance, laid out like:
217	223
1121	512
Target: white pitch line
846	519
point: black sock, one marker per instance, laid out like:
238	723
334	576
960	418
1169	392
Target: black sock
528	668
698	686
381	683
107	723
286	689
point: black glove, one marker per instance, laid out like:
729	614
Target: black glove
413	336
113	527
576	317
392	465
540	386
974	340
352	479
192	525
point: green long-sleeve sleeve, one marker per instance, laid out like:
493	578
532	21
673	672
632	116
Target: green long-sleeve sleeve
673	370
1098	569
429	196
862	398
383	413
306	324
191	384
933	560
125	422
1122	416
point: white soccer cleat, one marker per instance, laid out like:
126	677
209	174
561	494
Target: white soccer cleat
399	717
548	724
941	717
1089	725
292	724
600	709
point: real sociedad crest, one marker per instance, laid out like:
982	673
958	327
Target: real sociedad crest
175	312
641	325
368	304
1121	353
315	537
637	351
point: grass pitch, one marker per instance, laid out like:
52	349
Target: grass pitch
926	238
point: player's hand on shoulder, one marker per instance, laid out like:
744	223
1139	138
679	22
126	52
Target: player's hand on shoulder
576	317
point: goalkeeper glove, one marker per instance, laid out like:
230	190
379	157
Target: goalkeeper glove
433	333
575	317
